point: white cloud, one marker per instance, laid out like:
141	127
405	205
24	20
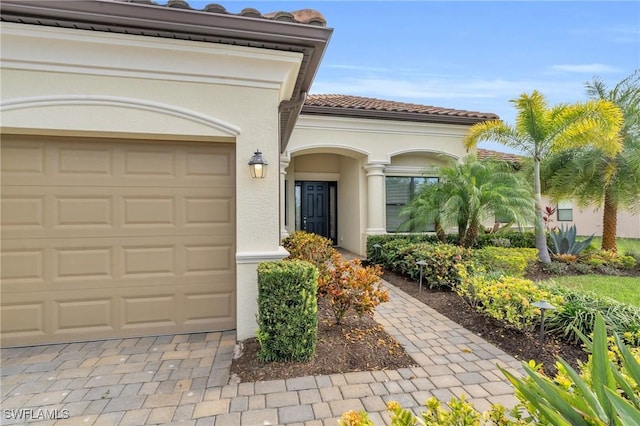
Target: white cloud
585	68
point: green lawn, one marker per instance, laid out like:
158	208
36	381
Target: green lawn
624	244
623	289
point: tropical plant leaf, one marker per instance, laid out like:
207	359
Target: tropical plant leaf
600	370
592	406
630	363
629	415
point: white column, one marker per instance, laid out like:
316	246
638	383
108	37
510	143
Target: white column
284	163
375	199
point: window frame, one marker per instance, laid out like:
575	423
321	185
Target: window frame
413	191
561	207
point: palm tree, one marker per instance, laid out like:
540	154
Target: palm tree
594	177
468	194
540	129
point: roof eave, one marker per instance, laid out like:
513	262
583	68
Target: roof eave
393	115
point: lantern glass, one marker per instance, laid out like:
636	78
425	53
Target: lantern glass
258	166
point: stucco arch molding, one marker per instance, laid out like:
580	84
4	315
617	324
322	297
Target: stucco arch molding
111	114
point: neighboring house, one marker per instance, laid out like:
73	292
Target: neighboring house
127	204
588	220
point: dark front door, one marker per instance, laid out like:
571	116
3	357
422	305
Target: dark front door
315	208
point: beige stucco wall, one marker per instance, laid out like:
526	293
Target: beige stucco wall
67	82
588	220
352	152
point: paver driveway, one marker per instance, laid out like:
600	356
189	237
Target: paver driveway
185	380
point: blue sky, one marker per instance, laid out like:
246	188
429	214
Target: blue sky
470	55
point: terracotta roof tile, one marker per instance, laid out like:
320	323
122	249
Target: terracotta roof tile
484	154
304	16
347	102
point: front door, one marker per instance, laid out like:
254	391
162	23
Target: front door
318	208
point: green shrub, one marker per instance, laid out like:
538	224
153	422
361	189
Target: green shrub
609	259
443	261
287	310
507	299
510	261
606	392
516	239
313	248
348	285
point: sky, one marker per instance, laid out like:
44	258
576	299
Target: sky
470	55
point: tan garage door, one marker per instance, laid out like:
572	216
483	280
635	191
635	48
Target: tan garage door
102	238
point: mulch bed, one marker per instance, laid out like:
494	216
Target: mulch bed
358	344
361	344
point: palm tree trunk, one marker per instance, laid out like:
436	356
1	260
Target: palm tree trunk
440	233
541	238
609	223
472	235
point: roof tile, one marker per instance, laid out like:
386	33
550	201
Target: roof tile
485	154
374	104
303	16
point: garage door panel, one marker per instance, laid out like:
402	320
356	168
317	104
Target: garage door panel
22	159
104	239
23	320
83	316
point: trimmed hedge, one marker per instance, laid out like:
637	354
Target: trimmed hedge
287	310
516	239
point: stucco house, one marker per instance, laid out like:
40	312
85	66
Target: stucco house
128	207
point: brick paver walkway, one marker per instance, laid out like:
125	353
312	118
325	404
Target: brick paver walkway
184	379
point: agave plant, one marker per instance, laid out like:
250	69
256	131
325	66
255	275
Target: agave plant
564	241
610	395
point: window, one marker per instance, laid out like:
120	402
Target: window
399	191
565	211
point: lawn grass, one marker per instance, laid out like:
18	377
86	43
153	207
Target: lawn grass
622	289
625	245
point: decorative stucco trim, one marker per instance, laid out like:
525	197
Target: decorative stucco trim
113	101
347	151
427	151
261	256
411	171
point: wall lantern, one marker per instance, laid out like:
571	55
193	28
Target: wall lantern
543	305
258	166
